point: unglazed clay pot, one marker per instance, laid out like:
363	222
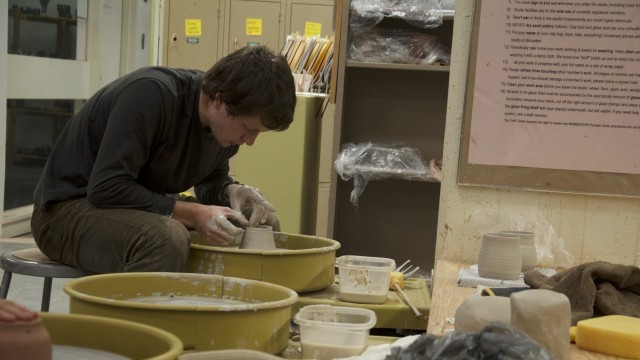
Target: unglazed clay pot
500	257
258	238
24	340
527	249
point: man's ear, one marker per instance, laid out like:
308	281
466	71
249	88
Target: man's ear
217	102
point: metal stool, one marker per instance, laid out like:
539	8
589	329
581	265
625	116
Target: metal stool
34	263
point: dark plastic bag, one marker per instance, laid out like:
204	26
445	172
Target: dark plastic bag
497	341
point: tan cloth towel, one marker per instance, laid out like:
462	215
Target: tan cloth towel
594	289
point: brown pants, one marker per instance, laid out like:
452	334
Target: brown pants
97	240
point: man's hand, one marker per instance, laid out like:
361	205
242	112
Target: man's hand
212	222
247	199
219	225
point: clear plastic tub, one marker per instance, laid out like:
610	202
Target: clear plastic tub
329	332
364	279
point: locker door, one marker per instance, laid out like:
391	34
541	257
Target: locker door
306	16
255	22
193	39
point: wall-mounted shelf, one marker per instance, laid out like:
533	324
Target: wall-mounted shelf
390	103
376	65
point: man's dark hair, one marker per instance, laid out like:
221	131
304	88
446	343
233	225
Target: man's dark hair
254	81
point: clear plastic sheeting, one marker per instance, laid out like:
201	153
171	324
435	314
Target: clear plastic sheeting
397	46
550	248
368	161
448	5
425	14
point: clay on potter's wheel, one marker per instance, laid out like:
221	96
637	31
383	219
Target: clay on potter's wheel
25	340
258	238
545	316
478	311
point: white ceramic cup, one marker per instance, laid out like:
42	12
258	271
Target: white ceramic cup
527	248
258	238
500	257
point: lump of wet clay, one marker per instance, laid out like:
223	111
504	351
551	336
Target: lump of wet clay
478	311
545	316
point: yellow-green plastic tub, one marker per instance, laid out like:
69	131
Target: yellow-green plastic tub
260	322
301	262
121	337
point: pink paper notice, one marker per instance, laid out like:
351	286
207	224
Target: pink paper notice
557	85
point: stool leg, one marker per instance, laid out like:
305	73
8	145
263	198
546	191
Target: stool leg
46	294
4	288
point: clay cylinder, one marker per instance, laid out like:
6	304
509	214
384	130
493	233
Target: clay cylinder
545	316
258	238
478	311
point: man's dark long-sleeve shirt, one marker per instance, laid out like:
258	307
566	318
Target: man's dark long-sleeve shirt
134	141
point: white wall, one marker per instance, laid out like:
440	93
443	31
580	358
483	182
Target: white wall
592	227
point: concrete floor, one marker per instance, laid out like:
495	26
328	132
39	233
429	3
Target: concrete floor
27	290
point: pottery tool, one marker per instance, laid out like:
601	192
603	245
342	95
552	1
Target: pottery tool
396	286
397	283
406	271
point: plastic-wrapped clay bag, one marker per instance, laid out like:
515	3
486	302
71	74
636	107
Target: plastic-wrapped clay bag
397	46
368	161
496	341
425	14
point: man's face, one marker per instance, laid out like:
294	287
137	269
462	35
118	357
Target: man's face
227	129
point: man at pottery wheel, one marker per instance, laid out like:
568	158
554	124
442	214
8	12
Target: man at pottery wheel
104	201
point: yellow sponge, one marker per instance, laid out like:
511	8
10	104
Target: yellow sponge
615	335
572	334
396	277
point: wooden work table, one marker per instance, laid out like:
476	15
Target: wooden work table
446	296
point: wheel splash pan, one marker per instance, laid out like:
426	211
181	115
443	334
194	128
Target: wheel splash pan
242	314
300	262
126	338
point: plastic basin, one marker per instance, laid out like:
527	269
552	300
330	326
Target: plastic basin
125	338
214	312
301	262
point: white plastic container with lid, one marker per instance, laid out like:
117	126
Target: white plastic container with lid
329	332
364	279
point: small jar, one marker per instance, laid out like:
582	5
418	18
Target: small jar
500	257
527	248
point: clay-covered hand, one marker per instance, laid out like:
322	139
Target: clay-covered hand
222	224
11	311
247	199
